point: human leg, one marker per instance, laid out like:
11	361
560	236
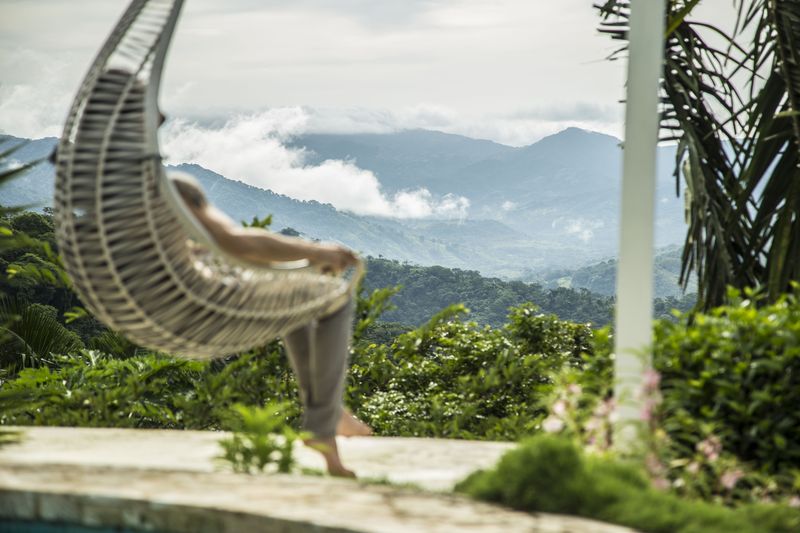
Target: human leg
299	344
330	350
318	353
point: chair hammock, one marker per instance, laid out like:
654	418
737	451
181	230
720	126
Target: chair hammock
138	259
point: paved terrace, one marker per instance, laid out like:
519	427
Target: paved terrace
157	480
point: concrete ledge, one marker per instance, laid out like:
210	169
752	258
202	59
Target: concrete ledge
433	464
167	481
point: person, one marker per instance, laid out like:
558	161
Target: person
318	352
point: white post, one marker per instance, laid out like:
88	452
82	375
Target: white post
635	273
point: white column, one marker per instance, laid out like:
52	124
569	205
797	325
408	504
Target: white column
635	272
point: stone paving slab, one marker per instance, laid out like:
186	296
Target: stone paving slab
168	481
433	464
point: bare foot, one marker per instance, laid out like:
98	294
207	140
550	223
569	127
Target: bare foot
350	426
327	447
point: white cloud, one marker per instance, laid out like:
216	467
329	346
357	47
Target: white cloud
252	148
32	108
514	129
420	203
582	228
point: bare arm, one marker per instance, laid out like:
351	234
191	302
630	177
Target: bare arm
263	247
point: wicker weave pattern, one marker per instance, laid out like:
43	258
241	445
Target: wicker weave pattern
130	258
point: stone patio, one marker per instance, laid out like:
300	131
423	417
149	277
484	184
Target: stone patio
157	480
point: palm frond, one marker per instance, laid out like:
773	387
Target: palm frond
733	110
30	334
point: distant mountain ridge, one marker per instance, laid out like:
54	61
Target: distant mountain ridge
601	278
564	188
553	204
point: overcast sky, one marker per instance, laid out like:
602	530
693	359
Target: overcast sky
509	70
245	75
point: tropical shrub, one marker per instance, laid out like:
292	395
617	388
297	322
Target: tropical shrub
447	378
720	405
730	378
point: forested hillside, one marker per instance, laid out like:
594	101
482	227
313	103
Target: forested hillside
426	290
423	290
601	277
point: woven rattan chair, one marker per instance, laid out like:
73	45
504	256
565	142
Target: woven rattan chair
138	259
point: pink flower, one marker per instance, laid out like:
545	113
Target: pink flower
693	467
653	465
730	478
660	483
648	406
651	380
794	501
606	409
552	424
560	408
710	447
593	424
575	389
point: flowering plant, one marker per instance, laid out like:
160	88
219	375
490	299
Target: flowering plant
706	470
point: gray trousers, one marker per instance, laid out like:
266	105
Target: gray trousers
318	353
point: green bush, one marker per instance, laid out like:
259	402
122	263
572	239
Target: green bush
551	474
727	426
542	474
735	373
451	378
89	388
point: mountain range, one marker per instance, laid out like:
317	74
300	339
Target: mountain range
553	204
564	188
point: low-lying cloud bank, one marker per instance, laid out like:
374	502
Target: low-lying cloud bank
519	128
253	149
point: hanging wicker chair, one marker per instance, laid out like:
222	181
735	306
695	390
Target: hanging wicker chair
138	259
